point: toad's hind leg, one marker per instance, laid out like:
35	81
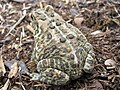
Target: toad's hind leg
51	76
90	59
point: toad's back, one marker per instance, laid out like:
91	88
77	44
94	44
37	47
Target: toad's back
59	48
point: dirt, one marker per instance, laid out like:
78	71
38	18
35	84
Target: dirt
100	23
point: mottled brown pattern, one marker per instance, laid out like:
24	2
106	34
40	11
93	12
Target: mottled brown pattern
61	51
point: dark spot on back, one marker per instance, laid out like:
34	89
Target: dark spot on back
70	36
71	56
58	23
49	36
51	26
52	15
62	40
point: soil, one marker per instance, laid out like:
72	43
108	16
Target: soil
99	20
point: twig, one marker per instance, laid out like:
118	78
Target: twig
2	67
6	85
20	83
17	23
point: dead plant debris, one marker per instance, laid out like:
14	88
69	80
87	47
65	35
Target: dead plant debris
99	20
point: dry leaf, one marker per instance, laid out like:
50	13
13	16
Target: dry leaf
14	70
74	12
23	68
96	85
96	32
8	64
2	67
29	27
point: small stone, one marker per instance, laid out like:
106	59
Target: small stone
110	64
78	21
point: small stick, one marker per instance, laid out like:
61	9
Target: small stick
17	23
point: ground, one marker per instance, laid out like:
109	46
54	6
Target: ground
99	20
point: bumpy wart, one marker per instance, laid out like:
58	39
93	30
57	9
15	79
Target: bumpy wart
61	51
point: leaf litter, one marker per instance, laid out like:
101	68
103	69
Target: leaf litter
99	20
